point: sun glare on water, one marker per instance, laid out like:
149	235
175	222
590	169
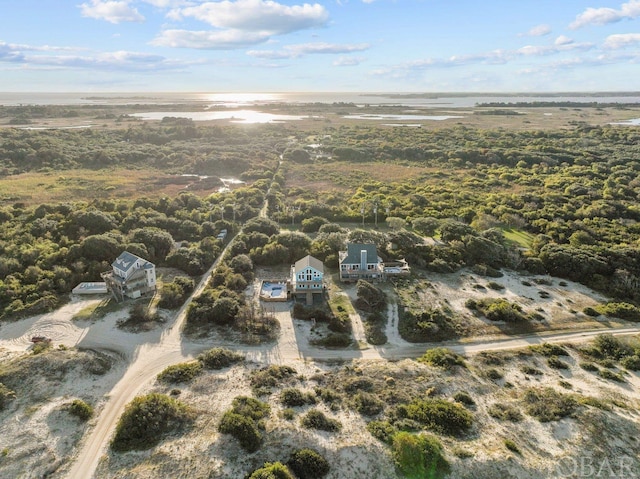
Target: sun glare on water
239	99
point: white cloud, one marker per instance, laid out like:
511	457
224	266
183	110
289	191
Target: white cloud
605	15
295	51
563	40
209	40
110	61
494	57
111	11
621	40
538	31
166	3
240	23
257	15
348	61
30	56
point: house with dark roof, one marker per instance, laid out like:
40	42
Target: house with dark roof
130	277
360	261
307	278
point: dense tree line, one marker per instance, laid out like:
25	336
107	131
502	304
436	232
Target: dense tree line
47	250
576	191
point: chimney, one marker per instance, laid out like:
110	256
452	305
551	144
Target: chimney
363	259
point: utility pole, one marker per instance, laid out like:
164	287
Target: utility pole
375	212
362	212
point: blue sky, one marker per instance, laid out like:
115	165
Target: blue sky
328	45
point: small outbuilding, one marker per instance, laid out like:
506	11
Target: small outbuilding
90	288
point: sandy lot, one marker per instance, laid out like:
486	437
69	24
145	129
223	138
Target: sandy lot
39	437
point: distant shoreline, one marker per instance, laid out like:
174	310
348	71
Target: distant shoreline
411	100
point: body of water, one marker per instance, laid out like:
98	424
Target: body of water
235	100
234	116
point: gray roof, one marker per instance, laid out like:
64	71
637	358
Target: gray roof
309	261
126	260
353	253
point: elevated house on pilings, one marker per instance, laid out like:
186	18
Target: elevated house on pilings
131	277
307	278
360	261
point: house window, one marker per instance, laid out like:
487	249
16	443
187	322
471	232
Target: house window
371	266
308	276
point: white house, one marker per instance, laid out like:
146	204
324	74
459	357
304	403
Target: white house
307	278
360	261
131	277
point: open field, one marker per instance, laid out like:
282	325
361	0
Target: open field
36	188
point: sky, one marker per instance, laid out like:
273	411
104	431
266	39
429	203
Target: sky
323	46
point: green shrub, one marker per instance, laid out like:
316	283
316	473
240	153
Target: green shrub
288	414
419	456
293	397
250	407
266	378
610	375
611	347
80	409
592	312
370	297
340	322
442	357
428	325
495	286
218	358
512	446
275	470
547	405
549	350
368	404
465	398
588	366
490	358
6	395
243	428
358	384
42	347
315	419
180	373
313	224
438	415
382	430
555	363
174	294
308	464
505	412
147	419
632	363
593	402
333	340
531	371
374	329
328	396
626	311
500	310
493	374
